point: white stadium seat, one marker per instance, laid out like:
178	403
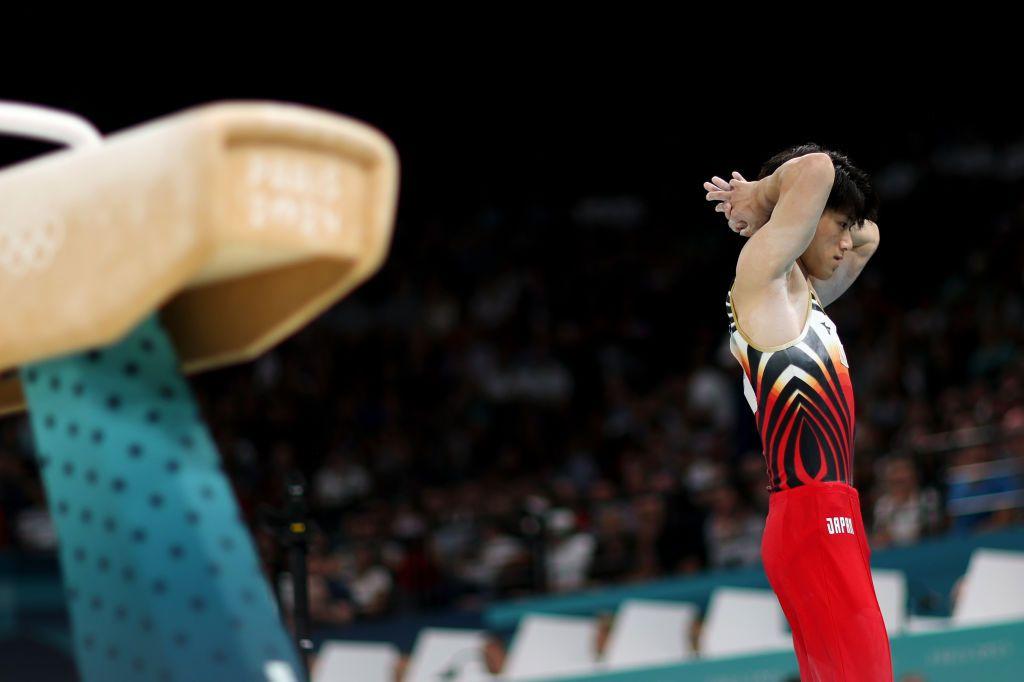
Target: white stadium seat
448	654
993	588
742	621
545	646
891	590
650	633
355	662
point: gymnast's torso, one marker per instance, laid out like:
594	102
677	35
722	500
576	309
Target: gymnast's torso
802	399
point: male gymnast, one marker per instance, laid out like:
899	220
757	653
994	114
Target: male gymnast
810	222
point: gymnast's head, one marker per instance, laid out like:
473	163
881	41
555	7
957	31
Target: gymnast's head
851	202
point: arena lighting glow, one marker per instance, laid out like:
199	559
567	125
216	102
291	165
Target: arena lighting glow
190	242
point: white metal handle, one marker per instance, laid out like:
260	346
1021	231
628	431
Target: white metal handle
44	123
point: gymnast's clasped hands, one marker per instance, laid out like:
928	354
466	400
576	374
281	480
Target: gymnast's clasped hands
740	202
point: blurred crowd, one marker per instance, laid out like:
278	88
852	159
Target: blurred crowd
543	399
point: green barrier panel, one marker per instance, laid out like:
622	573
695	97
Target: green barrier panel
993	653
160	573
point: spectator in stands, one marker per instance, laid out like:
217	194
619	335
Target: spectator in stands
418	578
732	530
369	582
501	559
494	654
344	584
693	635
752	473
401	667
1012	445
330	602
982	490
569	551
904	513
649	523
605	624
1011	450
615	553
339	482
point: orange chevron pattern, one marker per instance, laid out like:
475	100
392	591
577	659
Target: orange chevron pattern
802	398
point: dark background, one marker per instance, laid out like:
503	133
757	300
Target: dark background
591	175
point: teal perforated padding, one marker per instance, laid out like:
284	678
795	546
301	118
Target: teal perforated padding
161	575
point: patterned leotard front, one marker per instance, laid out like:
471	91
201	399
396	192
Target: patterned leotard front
802	399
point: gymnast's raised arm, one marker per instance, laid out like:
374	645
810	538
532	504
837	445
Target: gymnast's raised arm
788	203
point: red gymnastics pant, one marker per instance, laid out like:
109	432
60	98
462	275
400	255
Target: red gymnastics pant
817	559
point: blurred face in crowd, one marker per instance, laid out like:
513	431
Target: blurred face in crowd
972	455
650	513
831	242
901	477
1013	426
364	558
724	500
609	522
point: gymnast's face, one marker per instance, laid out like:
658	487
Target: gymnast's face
830	244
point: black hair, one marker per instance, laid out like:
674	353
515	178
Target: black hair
852	192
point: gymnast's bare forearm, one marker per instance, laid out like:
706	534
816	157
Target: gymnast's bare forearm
793	197
769	189
865	239
865	243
